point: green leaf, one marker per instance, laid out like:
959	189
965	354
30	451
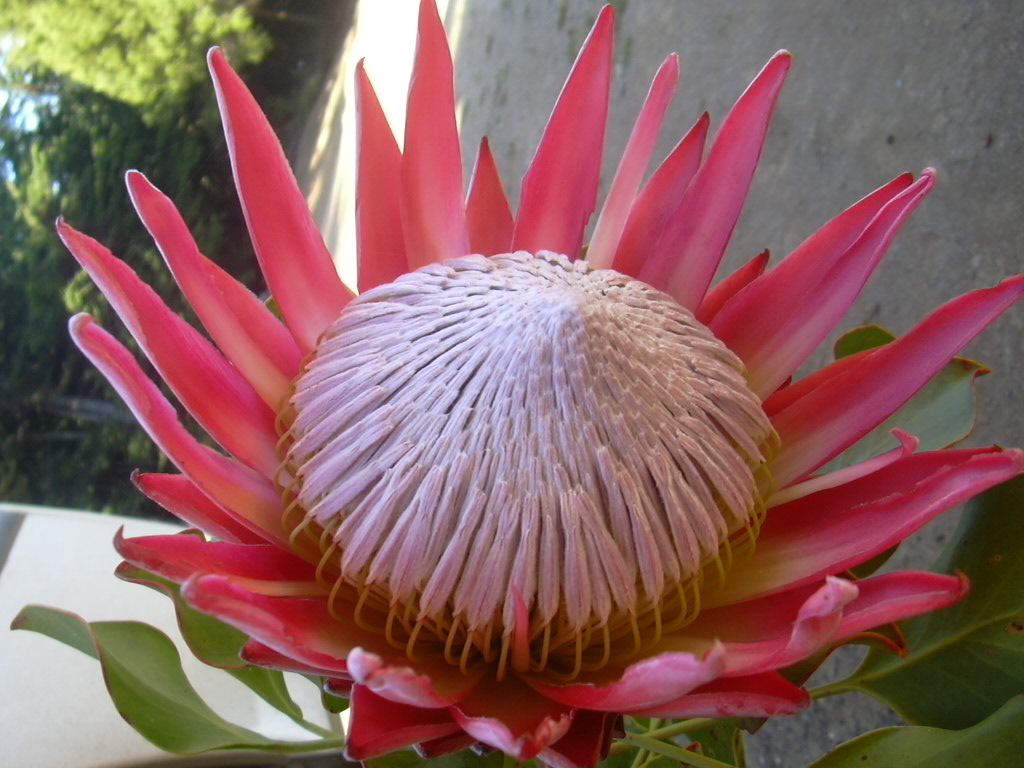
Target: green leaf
215	643
142	671
331	702
942	414
275	310
723	742
464	759
995	741
868	567
859	339
965	660
211	641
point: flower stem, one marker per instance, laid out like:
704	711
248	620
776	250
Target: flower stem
674	752
683	726
831	689
669	731
642	755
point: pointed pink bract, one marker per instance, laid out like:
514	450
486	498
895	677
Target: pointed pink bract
897	596
246	331
380	243
432	214
433	685
783	316
659	200
559	191
838	528
717	297
183	499
298	628
766	694
378	725
610	224
290	249
249	495
843	409
488	215
511	717
179	557
203	381
688	253
645	683
585	744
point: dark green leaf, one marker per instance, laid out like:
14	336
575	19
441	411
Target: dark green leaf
215	643
723	742
966	660
464	759
940	415
996	741
333	703
142	672
868	567
859	339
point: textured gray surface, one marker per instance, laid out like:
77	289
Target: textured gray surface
876	88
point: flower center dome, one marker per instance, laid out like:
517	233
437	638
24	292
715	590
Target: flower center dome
524	442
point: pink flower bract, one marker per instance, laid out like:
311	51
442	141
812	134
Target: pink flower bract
517	488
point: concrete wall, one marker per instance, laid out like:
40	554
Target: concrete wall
877	88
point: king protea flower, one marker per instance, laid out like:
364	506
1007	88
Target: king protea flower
515	488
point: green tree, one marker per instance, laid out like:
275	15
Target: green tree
70	126
64	437
142	52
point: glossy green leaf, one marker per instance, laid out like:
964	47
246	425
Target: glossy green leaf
996	741
142	671
966	660
942	414
215	643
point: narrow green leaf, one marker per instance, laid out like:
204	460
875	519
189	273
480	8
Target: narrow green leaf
942	414
215	643
675	752
142	671
967	660
995	741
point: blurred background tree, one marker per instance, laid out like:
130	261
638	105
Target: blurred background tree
91	88
138	52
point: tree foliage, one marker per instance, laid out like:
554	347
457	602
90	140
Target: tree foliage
97	109
141	52
65	439
90	94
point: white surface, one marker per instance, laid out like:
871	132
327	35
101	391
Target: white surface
54	708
